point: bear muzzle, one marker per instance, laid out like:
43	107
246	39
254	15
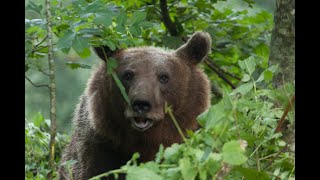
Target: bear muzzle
141	123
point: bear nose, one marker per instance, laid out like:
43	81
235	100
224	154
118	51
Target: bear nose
141	106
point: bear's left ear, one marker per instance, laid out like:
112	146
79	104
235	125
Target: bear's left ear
197	47
104	52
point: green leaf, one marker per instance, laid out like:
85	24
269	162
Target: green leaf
244	88
135	30
267	75
246	78
110	44
138	173
122	18
232	153
65	42
146	24
104	19
206	154
34	7
121	28
152	166
38	119
159	154
213	116
262	50
91	31
74	65
121	87
188	171
252	174
248	65
172	173
271	69
93	7
138	16
81	46
171	154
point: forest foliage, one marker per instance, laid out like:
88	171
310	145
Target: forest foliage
238	138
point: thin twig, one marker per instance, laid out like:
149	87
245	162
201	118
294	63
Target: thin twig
40	70
221	75
225	72
36	85
278	129
41	42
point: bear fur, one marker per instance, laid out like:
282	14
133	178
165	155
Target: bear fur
108	130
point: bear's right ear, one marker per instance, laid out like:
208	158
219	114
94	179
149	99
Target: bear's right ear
196	48
104	52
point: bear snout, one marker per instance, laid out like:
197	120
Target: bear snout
140	106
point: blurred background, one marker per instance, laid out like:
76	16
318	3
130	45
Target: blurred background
71	83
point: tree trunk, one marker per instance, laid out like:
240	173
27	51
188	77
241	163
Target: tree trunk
282	47
52	88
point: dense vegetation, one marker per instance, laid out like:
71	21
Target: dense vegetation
239	138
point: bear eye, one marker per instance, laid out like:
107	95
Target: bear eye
163	78
128	75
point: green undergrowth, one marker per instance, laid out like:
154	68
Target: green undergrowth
237	139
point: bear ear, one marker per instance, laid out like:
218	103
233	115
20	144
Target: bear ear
197	47
103	52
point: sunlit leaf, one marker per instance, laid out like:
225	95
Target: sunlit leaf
232	153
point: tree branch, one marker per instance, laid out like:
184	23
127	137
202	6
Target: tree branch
41	85
173	32
172	28
52	89
290	104
221	75
40	70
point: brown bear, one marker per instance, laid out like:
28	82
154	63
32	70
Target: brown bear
108	130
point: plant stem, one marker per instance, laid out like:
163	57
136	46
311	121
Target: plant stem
116	171
169	111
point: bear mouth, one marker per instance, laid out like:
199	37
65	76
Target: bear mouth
141	124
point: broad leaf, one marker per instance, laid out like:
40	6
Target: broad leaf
233	154
104	19
252	174
246	78
188	170
248	65
122	18
138	16
65	42
81	46
212	117
135	30
244	88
